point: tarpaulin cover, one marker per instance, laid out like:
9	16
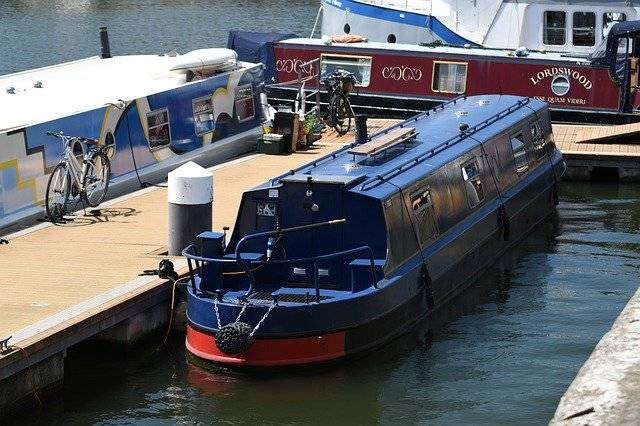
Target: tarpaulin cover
257	47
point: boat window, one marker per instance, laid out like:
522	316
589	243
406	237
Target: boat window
203	119
554	27
245	105
449	77
537	136
584	28
360	66
609	19
158	124
422	206
472	183
519	153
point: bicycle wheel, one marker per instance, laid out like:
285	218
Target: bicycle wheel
96	180
341	113
57	195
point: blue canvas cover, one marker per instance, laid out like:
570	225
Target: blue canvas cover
257	47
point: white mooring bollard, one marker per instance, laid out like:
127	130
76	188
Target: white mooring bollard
190	205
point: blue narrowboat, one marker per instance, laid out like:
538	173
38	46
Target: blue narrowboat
153	112
345	253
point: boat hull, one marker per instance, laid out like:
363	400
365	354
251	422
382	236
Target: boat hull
337	345
406	78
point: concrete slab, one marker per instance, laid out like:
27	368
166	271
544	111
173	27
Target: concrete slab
606	390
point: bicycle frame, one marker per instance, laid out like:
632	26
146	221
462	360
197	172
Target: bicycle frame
76	169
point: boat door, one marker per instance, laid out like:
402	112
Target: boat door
622	56
310	202
626	68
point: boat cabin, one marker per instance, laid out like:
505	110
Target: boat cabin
398	76
376	203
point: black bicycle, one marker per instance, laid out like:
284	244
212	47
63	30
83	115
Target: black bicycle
339	84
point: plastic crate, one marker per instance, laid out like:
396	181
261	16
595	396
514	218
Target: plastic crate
271	145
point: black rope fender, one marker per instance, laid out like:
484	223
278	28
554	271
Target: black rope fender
236	337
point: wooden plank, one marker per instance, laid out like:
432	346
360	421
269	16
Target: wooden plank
604	133
384	142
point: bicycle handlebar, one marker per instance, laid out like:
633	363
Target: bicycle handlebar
81	139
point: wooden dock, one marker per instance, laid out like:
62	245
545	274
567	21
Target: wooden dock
593	151
64	283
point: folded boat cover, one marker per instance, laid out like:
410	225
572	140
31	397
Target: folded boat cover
257	47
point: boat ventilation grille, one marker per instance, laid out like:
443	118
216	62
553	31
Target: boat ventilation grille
284	297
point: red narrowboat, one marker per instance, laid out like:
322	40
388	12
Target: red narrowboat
599	87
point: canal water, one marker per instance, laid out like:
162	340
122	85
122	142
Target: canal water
504	352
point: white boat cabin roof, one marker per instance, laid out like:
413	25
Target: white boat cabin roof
471	51
83	85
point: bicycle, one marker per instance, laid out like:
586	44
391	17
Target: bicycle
72	179
339	84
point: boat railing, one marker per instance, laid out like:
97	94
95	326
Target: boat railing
305	72
196	262
350	146
464	133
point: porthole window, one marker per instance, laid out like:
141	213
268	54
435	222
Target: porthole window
560	85
391	38
347	28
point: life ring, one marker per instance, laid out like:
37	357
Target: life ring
347	38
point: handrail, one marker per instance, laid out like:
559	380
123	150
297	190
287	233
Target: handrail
334	154
187	252
377	180
243	240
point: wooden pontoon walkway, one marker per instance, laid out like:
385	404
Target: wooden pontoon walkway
591	149
61	284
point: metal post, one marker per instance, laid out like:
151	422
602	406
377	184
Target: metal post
105	50
361	128
190	199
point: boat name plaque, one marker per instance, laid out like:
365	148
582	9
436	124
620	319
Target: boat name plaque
568	72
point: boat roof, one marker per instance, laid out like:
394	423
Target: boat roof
445	49
83	85
439	141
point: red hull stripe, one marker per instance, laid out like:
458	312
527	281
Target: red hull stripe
270	352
